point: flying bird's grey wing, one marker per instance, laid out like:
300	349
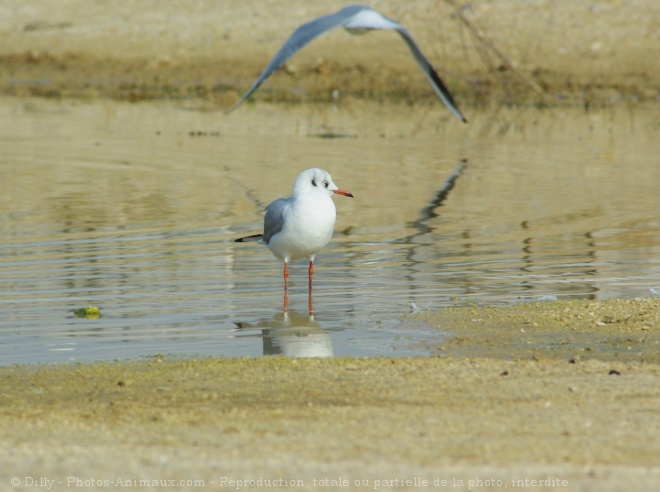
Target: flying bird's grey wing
430	73
300	37
274	218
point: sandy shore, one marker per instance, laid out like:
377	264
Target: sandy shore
552	396
592	424
594	53
578	419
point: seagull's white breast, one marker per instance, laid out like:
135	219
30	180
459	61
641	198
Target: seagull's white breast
307	228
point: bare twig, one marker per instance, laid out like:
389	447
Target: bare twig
487	49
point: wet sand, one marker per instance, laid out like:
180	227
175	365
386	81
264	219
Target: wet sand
616	331
591	53
564	412
550	392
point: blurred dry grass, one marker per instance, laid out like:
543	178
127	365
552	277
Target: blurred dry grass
512	51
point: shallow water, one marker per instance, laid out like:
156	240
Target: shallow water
134	207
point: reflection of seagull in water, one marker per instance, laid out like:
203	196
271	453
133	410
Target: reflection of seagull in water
356	19
296	335
291	334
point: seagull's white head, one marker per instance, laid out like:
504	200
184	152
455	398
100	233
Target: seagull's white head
316	179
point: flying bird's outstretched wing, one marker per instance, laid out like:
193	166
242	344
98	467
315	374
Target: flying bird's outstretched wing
301	37
436	82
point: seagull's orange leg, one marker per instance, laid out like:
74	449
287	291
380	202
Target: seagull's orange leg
311	274
286	276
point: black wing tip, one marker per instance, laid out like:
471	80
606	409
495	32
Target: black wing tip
246	239
236	105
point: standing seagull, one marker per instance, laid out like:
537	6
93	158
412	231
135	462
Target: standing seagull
299	226
356	19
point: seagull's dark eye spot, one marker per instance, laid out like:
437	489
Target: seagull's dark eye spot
313	181
326	184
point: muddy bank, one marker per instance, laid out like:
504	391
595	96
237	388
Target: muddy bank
617	330
361	419
586	423
592	53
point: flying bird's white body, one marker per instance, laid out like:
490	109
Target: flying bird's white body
367	20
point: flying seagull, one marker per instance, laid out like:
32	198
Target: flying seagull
356	19
301	225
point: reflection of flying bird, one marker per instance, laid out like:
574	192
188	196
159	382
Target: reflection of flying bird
301	225
356	19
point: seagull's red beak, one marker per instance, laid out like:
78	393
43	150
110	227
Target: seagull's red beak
343	192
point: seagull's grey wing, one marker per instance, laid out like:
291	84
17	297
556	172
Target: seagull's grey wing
300	37
274	218
430	73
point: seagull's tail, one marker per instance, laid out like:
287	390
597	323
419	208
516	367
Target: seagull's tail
249	239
